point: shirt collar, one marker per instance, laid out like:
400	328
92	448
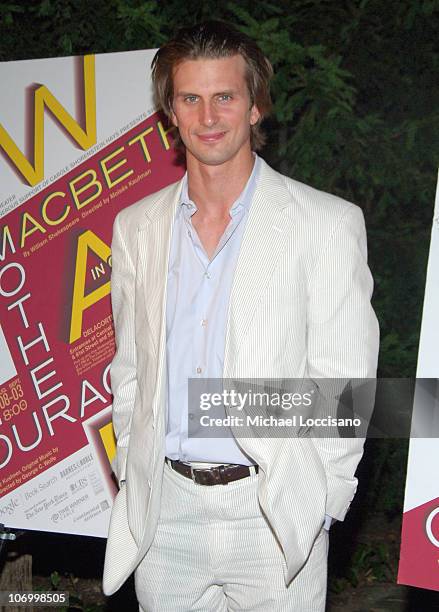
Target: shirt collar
243	200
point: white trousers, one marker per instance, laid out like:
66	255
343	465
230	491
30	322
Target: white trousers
214	552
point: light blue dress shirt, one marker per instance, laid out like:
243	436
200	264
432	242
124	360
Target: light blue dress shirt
198	295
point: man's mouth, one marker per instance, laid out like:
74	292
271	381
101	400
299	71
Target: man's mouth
211	136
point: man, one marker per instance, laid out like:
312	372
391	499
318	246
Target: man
235	271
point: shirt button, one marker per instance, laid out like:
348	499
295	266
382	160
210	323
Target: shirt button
203	322
207	275
199	370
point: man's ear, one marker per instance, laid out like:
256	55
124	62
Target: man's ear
255	115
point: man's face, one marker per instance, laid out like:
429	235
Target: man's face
211	108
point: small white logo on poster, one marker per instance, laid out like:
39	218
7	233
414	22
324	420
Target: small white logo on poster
429	527
7	367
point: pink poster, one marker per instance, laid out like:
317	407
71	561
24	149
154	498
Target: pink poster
57	209
419	559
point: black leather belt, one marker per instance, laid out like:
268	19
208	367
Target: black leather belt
222	474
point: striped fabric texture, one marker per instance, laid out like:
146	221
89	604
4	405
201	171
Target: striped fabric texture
299	307
214	550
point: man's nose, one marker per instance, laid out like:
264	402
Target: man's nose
208	114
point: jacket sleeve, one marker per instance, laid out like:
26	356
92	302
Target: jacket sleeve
343	343
123	366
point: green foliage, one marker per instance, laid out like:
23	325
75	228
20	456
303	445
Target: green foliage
55	580
386	461
70	584
370	563
355	111
356	114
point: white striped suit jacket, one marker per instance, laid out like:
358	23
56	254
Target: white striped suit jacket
299	307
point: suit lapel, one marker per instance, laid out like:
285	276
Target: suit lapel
266	234
153	248
265	237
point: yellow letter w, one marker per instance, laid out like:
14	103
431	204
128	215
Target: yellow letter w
44	98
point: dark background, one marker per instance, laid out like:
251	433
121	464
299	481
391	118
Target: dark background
356	113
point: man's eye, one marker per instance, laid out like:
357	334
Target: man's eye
190	99
224	97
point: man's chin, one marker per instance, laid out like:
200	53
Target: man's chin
212	157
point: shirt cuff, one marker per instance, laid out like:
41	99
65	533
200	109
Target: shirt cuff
328	522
